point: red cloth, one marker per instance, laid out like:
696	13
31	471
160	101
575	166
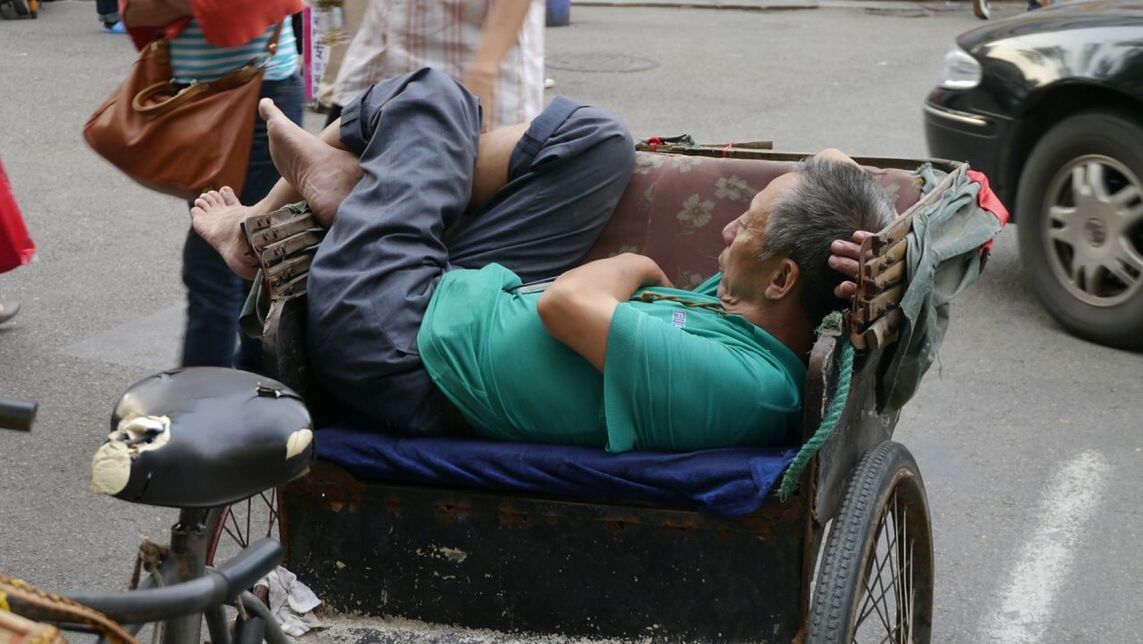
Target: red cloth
988	199
226	23
16	247
990	202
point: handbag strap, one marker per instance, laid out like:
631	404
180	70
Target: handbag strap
141	102
272	44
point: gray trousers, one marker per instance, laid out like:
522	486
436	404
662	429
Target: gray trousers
376	270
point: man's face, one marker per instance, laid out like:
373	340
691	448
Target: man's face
742	275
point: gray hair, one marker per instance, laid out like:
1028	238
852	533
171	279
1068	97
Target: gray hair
831	200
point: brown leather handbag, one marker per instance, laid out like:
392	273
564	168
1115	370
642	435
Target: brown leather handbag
180	141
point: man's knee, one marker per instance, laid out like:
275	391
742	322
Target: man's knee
425	86
437	83
605	139
601	127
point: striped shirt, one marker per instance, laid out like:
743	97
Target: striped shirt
400	36
195	59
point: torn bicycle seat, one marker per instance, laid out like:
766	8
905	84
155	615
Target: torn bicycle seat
203	437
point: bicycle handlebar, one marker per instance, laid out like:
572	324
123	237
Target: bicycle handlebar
16	414
220	585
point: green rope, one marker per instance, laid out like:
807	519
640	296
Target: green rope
836	406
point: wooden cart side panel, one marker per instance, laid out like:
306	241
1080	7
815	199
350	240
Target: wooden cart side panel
861	427
814	408
517	563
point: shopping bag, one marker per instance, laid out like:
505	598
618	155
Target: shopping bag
16	247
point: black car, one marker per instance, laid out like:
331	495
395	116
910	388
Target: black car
1049	105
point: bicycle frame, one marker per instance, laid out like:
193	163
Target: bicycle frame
187	590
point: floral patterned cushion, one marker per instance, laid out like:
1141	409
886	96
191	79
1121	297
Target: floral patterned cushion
676	205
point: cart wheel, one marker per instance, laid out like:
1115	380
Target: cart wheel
981	9
20	7
876	578
240	524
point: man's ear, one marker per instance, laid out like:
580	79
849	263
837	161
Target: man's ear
783	279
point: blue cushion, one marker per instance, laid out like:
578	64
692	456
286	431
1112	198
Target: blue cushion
724	482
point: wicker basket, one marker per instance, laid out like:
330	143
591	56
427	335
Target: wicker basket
18	630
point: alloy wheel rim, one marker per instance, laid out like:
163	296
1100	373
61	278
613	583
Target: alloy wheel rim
1094	230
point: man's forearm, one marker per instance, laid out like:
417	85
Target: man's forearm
578	308
499	34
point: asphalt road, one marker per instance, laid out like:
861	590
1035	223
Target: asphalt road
1029	440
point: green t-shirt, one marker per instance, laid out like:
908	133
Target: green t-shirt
675	377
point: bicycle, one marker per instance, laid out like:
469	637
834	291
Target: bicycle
174	444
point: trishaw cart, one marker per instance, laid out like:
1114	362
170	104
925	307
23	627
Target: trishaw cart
671	547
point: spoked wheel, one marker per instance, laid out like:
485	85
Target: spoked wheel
876	578
240	524
234	528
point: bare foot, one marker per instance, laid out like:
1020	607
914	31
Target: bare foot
217	217
323	174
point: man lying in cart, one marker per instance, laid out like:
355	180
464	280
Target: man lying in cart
415	297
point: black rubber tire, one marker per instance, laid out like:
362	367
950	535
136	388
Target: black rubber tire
1088	133
885	474
981	9
20	7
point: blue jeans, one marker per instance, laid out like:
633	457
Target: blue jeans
214	294
108	11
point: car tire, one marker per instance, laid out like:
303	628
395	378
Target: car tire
1083	249
981	9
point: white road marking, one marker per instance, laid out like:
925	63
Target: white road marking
1068	503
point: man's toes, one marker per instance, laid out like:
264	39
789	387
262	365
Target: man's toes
201	205
267	110
208	200
228	197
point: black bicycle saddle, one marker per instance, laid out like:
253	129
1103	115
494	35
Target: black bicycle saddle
203	437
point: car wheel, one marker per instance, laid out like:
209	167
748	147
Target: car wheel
981	9
1080	226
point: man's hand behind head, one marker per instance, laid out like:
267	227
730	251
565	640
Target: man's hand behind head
844	253
843	259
